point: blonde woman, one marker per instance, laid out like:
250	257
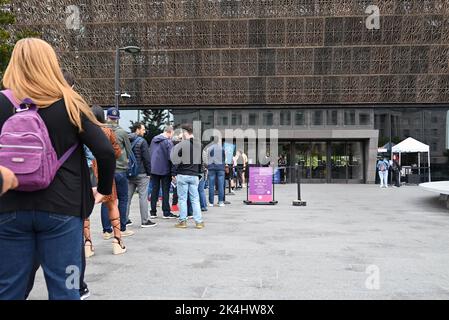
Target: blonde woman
48	223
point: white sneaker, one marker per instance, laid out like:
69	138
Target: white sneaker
210	204
108	235
221	204
127	233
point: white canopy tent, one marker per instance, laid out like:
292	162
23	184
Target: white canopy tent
411	145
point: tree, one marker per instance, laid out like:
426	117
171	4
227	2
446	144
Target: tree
154	121
9	35
6	20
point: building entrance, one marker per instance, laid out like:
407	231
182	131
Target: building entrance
326	161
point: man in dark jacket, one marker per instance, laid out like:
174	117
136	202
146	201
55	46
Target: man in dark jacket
160	149
187	168
140	182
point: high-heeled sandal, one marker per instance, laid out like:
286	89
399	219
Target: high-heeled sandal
88	248
117	246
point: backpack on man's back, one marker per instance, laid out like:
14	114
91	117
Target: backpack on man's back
133	165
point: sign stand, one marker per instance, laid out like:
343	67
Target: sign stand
299	202
260	188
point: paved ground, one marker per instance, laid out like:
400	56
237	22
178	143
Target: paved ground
321	251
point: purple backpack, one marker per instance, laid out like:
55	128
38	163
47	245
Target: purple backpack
26	149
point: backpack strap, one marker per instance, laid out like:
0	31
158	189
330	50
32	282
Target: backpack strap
26	104
138	139
66	155
8	94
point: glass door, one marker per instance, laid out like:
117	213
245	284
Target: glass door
284	150
312	159
339	162
355	162
346	162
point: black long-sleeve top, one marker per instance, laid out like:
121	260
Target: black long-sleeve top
70	193
191	167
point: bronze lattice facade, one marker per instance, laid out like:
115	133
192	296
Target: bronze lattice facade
258	52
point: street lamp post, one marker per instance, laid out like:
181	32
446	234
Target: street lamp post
129	49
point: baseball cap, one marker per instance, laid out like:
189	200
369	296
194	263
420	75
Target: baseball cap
113	113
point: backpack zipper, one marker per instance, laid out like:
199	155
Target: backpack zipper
20	147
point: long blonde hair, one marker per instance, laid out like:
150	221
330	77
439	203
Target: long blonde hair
34	72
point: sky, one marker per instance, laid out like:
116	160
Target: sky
126	116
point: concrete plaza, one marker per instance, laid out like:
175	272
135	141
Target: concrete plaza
321	251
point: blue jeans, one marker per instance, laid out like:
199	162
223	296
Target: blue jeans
202	194
121	183
220	176
53	239
188	187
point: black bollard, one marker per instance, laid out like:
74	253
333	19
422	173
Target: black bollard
299	202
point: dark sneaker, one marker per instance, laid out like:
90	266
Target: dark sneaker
129	223
170	216
148	224
204	209
153	216
84	293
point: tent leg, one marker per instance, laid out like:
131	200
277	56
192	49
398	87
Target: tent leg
419	166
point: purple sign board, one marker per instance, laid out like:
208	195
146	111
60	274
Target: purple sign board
260	185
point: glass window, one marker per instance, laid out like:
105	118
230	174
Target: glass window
207	119
268	119
253	119
332	117
317	118
185	116
236	119
223	118
364	119
434	146
350	118
300	118
285	118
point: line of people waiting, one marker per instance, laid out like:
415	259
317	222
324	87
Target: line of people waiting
86	161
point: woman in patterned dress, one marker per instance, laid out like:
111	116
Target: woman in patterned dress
110	200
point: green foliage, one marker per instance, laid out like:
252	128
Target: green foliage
6	19
154	121
7	40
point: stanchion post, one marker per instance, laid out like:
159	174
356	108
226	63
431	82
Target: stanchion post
299	202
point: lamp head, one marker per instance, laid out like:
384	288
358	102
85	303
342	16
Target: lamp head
131	49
